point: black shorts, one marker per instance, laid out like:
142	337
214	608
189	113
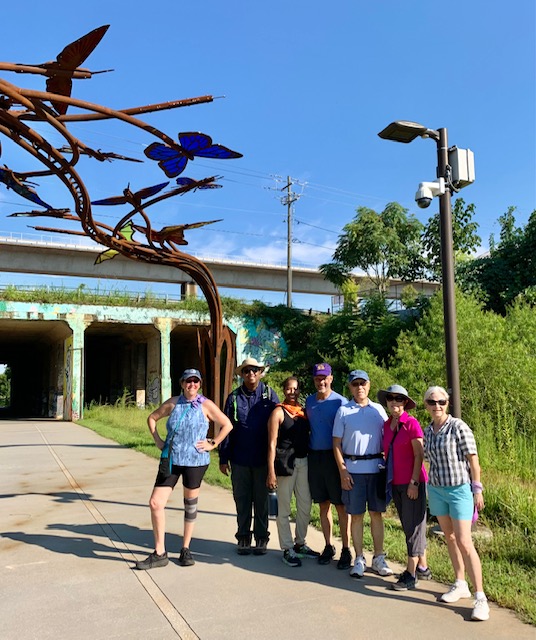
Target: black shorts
191	477
324	477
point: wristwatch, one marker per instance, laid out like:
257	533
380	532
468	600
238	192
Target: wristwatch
211	441
414	483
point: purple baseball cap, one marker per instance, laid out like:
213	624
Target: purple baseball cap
322	369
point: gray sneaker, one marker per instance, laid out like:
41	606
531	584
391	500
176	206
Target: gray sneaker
185	559
152	561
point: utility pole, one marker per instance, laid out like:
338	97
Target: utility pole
289	199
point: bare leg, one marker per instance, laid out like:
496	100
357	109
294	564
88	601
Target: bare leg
446	524
357	533
326	520
157	504
464	541
376	529
412	564
189	524
343	524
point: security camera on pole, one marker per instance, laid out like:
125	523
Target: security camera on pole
455	170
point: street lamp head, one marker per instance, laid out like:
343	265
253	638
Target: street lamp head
404	131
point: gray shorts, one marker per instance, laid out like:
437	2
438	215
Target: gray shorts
363	495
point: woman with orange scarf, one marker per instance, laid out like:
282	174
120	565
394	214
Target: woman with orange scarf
288	438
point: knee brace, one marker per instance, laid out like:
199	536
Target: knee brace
190	509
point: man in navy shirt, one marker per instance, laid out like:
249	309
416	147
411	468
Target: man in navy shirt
245	453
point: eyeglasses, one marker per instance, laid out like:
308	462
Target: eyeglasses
194	380
391	398
358	383
432	403
247	370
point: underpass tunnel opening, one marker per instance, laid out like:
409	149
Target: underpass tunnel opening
184	353
121	361
31	379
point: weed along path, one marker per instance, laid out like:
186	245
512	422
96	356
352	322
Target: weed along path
75	517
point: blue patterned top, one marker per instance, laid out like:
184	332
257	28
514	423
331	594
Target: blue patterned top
192	428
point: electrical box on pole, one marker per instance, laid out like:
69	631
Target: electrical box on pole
462	164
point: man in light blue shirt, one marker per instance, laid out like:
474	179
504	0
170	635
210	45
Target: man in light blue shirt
324	478
357	444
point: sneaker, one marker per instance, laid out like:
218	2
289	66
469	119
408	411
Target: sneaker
260	547
358	570
303	551
456	592
405	582
480	610
326	555
424	574
380	566
244	547
290	558
185	559
345	561
153	560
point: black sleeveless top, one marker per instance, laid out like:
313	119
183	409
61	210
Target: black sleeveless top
292	442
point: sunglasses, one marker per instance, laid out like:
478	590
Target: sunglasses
247	370
391	398
358	383
194	380
432	403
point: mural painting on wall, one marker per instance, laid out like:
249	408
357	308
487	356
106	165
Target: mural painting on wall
68	376
261	341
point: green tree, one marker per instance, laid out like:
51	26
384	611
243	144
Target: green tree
384	245
464	237
510	268
5	388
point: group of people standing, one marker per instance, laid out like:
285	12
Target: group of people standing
351	454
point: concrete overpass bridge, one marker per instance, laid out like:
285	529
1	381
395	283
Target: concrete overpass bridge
44	256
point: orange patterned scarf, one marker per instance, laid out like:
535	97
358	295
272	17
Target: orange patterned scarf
295	410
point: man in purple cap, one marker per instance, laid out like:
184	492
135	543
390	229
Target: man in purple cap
324	478
357	443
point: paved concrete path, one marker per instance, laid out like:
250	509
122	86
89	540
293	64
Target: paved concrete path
74	518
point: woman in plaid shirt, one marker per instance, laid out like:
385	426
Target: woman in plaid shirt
454	495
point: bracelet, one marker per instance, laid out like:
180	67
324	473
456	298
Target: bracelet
476	487
414	483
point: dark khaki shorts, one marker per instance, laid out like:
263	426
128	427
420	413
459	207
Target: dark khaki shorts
324	477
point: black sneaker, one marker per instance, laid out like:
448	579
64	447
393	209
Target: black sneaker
345	561
290	558
304	551
260	547
185	559
244	547
326	555
424	574
405	582
153	560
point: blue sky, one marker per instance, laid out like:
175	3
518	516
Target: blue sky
307	87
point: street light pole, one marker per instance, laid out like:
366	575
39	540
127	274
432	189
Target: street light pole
447	272
403	131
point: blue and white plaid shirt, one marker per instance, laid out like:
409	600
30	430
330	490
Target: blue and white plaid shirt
447	452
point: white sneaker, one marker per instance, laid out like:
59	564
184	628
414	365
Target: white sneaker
456	592
358	570
380	566
480	610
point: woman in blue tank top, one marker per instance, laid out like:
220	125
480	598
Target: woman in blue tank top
185	452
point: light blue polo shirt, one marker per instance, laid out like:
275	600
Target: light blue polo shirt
361	430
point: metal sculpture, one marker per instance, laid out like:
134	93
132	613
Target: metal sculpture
19	107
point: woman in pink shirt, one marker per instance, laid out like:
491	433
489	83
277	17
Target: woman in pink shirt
403	448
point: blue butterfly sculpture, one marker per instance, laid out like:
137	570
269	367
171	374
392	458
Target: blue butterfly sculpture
173	161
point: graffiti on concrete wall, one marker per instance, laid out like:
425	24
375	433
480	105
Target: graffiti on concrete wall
153	390
258	339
